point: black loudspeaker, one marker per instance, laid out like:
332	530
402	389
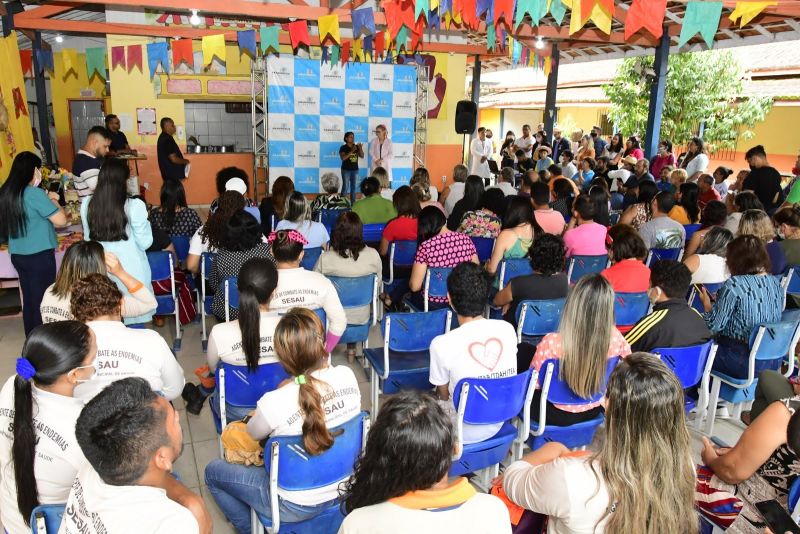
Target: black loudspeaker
466	116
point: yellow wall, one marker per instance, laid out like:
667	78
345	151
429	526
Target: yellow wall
65	87
775	133
18	128
454	69
581	117
490	118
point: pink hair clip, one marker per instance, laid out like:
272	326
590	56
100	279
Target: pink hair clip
291	235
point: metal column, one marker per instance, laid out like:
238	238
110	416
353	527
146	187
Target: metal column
41	100
476	89
657	91
550	96
258	116
421	119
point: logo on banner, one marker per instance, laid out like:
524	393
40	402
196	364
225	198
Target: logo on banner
281	99
306	180
331	102
306	73
281	154
332	77
405	80
306	128
380	104
403	130
357	76
329	155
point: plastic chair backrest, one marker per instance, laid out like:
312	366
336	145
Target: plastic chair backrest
484	247
255	212
688	363
207	260
560	393
310	257
48	516
413	332
373	232
630	307
540	317
512	268
181	244
299	470
244	388
580	266
694	295
402	252
613	217
658	254
794	498
436	281
793	285
328	217
231	292
356	291
160	265
493	400
690	229
776	340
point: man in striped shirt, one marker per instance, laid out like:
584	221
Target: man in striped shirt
672	323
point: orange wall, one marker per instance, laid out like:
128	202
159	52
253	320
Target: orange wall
440	160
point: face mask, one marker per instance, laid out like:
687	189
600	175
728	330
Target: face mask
82	381
37	178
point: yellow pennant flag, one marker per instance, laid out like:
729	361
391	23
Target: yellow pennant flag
747	11
213	45
548	65
329	25
598	15
358	50
434	4
69	57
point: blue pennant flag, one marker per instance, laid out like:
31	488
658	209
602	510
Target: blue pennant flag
363	19
45	60
247	41
157	53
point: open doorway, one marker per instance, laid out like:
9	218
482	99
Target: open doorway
84	114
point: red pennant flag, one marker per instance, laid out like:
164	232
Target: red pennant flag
398	13
417	32
19	102
134	57
345	52
469	13
298	33
379	44
117	57
182	51
648	14
504	9
26	61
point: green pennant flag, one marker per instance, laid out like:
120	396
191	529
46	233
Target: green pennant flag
96	62
535	8
558	10
703	18
421	8
402	37
336	50
491	37
269	39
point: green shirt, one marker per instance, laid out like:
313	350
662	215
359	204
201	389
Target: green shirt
39	232
375	209
794	193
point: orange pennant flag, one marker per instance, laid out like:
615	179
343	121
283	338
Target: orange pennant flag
648	14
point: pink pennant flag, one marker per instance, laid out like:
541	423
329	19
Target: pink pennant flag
117	57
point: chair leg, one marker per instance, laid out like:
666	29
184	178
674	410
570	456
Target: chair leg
711	410
737	411
375	392
176	345
255	525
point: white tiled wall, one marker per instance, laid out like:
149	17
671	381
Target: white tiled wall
212	126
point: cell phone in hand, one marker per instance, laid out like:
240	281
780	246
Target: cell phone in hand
777	518
719	443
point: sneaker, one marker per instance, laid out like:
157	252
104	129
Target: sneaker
194	398
723	412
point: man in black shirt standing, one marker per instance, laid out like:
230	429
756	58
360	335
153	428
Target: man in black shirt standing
763	180
119	143
170	158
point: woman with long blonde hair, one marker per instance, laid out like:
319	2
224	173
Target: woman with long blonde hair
585	340
642	478
759	224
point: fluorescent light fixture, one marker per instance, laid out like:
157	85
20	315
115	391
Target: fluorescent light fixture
59	38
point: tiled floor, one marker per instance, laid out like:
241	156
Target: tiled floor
199	435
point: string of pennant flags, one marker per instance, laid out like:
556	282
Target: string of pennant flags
406	23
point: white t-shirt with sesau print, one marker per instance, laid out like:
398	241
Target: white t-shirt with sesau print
225	342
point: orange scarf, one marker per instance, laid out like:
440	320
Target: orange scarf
454	494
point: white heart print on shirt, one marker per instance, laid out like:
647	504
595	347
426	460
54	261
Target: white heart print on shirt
487	354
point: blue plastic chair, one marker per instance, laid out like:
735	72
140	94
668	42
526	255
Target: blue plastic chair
768	342
484	247
692	366
658	254
694	295
46	518
794	500
580	266
691	229
435	286
310	257
162	267
240	388
792	280
357	292
557	391
230	291
204	300
630	307
255	212
328	217
181	244
291	468
493	401
512	268
373	232
401	254
404	360
614	216
537	318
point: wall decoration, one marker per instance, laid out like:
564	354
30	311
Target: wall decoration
146	121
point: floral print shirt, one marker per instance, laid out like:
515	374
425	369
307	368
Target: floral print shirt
481	223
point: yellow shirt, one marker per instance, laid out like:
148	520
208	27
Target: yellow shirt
678	213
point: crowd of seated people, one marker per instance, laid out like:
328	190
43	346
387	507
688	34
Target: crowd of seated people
89	422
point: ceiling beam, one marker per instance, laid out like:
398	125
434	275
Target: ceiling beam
47	10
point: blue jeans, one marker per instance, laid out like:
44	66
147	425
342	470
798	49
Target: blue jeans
232	413
349	179
238	488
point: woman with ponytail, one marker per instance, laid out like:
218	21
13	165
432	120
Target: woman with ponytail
247	341
316	398
39	455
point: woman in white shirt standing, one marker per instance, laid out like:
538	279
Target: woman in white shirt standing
248	340
298	217
695	162
298	287
39	455
302	405
122	351
380	151
619	489
400	482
